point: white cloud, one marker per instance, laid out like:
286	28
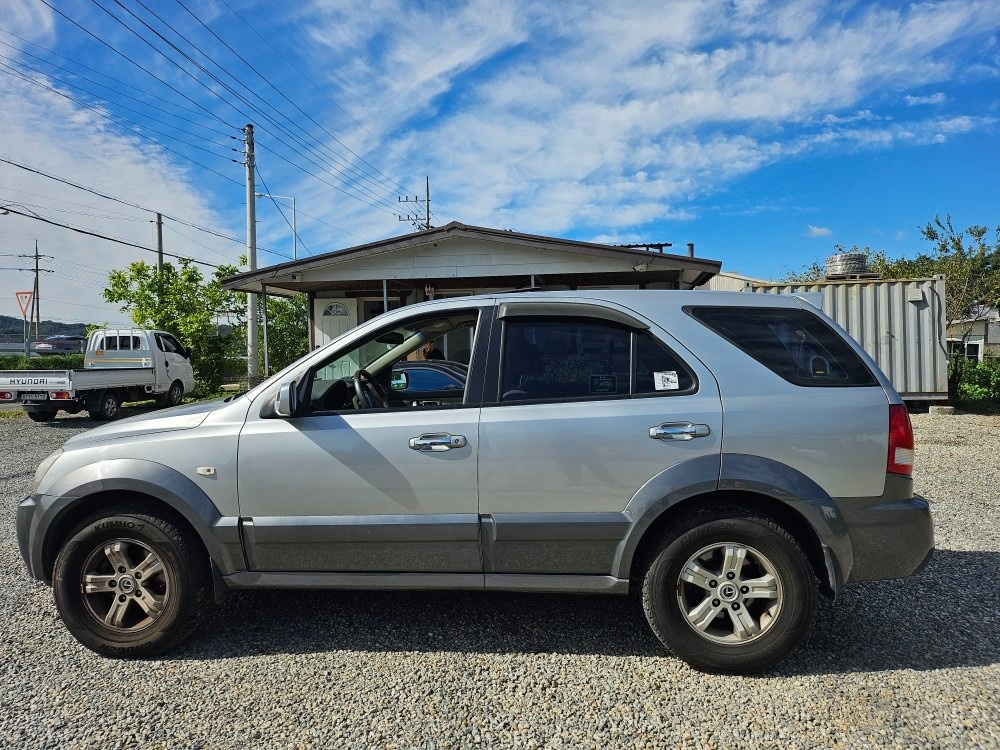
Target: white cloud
27	18
50	134
913	101
814	231
557	137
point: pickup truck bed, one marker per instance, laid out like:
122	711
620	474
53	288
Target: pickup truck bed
69	380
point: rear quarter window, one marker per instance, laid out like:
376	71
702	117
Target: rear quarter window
795	344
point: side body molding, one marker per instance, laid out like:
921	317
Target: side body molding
220	534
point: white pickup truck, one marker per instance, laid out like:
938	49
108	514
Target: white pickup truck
118	365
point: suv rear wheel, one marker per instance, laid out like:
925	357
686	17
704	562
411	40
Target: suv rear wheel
730	591
131	582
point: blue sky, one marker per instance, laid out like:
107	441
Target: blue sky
764	132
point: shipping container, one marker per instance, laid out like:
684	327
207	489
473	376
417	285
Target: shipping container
899	322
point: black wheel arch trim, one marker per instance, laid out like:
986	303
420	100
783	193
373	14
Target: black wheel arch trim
730	475
68	499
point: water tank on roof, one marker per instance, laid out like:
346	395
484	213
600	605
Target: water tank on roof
846	264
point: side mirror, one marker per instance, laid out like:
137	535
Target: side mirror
400	381
287	401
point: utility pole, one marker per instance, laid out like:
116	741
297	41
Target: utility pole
36	311
252	369
425	223
159	264
35	301
159	242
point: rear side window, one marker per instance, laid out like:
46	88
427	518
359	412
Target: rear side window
795	344
565	358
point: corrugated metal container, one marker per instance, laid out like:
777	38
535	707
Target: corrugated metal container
899	322
729	282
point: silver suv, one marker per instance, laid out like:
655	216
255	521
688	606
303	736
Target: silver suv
720	456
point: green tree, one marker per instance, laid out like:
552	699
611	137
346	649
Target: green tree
969	261
971	268
182	301
287	330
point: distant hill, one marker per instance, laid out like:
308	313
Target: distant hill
47	328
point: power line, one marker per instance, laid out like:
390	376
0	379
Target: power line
267	192
361	188
108	217
312	83
105	215
338	168
290	101
9	210
110	117
124	202
200	244
133	62
108	77
253	107
116	104
324	181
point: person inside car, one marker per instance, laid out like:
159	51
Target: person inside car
430	351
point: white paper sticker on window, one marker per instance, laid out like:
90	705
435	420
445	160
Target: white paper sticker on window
666	381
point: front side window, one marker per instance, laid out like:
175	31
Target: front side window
374	359
557	359
168	344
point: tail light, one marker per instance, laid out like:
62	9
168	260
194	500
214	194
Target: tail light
6	396
900	459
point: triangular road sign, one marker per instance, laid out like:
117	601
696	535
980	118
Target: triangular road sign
24	299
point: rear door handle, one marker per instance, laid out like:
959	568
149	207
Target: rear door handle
679	431
438	441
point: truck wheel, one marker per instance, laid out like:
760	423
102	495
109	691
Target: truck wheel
131	582
107	408
173	396
729	592
42	415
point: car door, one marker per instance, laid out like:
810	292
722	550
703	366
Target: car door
588	407
369	490
177	366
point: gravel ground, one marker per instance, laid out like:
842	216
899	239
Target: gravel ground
898	664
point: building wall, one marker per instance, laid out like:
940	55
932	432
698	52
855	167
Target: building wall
465	258
983	336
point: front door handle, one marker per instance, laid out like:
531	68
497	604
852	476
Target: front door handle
438	441
679	431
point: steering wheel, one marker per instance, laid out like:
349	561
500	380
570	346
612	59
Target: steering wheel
370	392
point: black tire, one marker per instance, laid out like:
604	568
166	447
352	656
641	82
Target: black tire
743	623
131	582
173	396
107	407
42	415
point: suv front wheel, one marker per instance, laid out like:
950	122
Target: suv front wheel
730	592
131	582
